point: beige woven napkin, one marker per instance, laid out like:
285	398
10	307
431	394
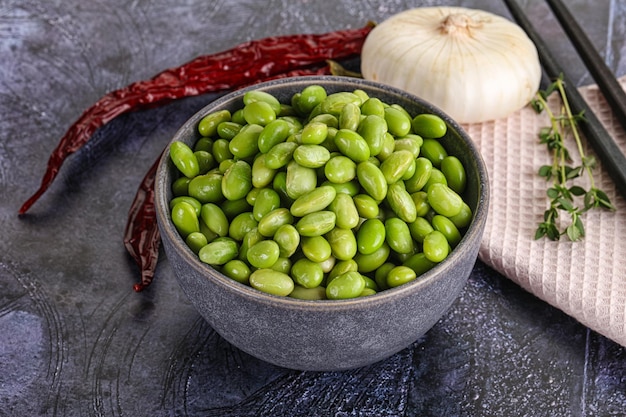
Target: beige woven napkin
586	279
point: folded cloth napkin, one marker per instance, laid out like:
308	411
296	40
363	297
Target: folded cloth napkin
585	279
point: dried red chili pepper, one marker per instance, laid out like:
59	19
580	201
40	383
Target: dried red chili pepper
142	238
245	64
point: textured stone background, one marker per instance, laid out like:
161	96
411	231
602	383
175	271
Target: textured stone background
75	340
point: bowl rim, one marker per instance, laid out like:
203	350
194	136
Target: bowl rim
166	227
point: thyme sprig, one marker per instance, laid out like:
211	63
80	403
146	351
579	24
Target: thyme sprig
565	196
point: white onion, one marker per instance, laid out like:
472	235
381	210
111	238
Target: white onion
474	65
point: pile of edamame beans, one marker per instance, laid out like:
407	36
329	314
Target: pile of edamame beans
331	196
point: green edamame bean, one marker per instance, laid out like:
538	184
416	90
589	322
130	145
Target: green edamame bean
328	119
237	117
345	286
282	265
241	224
366	206
280	186
315	248
347	216
267	200
224	165
372	261
246	142
205	161
228	130
314	133
218	252
436	177
262	176
180	186
408	174
373	106
195	203
263	254
334	102
215	219
204	144
454	171
341	268
362	94
184	159
420	228
352	145
349	117
435	246
444	200
237	180
434	151
351	188
221	151
389	145
419	263
398	123
210	236
411	143
250	238
315	200
367	291
464	218
328	264
185	218
372	180
195	241
277	131
342	243
237	270
340	169
420	199
400	275
310	97
401	202
429	126
253	96
398	236
301	293
233	208
208	124
280	154
449	230
370	236
380	275
288	239
423	168
311	156
396	165
316	224
307	273
259	113
269	224
373	129
271	282
299	180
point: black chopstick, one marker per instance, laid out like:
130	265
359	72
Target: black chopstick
608	84
608	152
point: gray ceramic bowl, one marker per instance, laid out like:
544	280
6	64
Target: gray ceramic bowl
328	334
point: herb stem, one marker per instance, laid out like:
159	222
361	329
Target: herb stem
562	194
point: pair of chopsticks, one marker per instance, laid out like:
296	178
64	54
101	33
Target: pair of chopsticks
606	149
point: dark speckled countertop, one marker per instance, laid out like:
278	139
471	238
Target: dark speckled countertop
75	340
